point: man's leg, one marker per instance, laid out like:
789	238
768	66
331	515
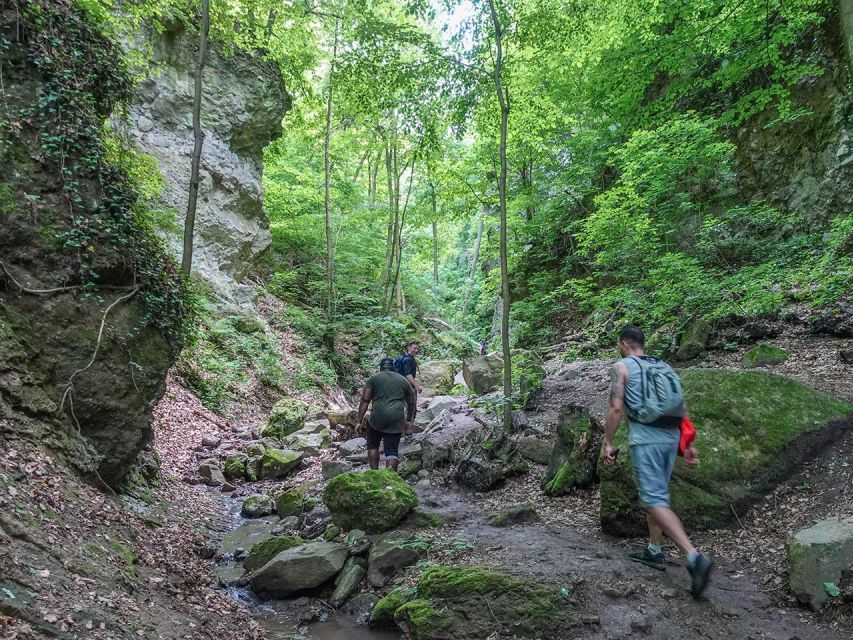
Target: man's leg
666	520
391	446
655	532
373	439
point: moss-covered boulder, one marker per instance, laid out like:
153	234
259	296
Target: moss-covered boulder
764	355
373	501
265	551
287	416
277	463
754	429
450	602
575	454
382	614
235	466
293	503
257	506
693	339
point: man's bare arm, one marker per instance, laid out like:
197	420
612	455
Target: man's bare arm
615	406
366	397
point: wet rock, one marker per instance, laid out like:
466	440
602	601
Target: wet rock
373	501
210	473
388	555
537	450
277	463
518	514
287	416
257	506
300	568
575	454
819	554
764	355
360	606
347	581
261	553
332	468
351	447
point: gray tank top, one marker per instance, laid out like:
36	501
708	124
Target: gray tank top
639	434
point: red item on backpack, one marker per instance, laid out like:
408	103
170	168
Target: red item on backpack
688	435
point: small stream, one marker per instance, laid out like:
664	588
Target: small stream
279	619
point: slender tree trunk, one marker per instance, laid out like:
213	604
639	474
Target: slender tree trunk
392	227
270	24
198	134
398	283
845	14
327	199
475	259
375	177
434	237
503	101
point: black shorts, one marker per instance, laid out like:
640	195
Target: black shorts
391	442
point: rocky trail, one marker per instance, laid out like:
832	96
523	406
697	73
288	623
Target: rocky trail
514	527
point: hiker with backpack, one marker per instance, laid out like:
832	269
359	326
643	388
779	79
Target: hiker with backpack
651	392
407	366
392	402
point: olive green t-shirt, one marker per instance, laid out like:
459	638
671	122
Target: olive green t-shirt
388	409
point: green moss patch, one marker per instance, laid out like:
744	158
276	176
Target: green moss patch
753	428
764	355
471	603
276	463
373	501
287	416
382	614
265	551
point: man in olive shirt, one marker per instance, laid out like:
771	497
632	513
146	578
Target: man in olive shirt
392	412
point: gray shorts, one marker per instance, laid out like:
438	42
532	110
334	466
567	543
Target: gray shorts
653	464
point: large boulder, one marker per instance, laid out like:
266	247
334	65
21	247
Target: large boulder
483	374
390	553
308	442
299	568
277	463
373	501
535	449
235	466
495	459
293	503
469	603
575	454
437	376
257	506
287	416
818	555
754	428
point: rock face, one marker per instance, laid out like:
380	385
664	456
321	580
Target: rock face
449	603
437	376
244	102
817	555
753	429
303	567
575	454
373	501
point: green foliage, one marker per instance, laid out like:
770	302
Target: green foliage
7	199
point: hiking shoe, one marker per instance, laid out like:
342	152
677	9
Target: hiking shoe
700	571
646	557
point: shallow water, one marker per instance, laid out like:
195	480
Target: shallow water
336	627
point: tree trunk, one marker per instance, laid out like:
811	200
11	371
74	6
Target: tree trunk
198	134
475	259
398	283
434	237
503	101
845	13
327	199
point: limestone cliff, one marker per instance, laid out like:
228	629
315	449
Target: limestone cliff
244	102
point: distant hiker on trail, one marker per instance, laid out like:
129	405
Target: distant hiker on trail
392	412
651	392
407	366
484	347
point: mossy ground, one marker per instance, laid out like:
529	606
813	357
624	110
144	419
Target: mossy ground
745	422
763	355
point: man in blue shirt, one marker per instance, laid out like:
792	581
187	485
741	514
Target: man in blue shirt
654	448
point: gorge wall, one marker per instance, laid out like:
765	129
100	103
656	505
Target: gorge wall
243	104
